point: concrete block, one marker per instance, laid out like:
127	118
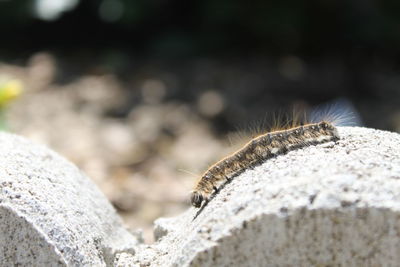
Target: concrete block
51	214
330	204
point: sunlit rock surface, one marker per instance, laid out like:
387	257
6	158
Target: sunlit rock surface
330	204
51	214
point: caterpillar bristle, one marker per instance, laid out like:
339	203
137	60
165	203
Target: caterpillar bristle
340	113
259	149
284	135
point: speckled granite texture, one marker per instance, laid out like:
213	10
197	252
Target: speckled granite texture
50	213
331	204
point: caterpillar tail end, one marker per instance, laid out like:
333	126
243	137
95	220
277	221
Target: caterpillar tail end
327	126
197	198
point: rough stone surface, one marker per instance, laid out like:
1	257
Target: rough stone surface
124	259
51	214
331	204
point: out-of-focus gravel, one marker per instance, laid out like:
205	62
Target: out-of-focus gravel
136	160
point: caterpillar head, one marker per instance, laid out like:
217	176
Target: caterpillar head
196	199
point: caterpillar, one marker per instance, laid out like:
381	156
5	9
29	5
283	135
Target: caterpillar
257	150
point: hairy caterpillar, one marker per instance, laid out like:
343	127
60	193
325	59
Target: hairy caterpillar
257	150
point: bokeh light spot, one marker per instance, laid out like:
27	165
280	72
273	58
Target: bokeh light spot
210	103
111	10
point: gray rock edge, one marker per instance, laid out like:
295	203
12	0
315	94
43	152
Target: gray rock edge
50	212
330	204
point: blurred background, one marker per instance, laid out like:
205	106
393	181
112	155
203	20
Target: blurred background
140	93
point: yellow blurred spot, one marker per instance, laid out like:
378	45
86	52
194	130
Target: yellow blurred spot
9	90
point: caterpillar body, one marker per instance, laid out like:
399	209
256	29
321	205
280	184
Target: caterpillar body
257	150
